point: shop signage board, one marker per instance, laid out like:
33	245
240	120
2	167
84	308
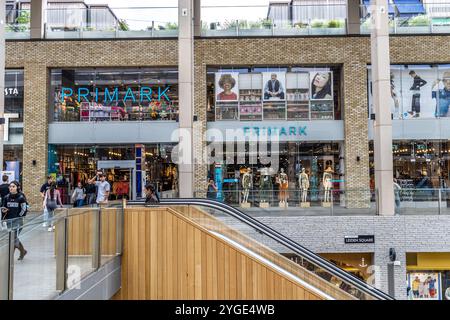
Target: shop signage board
292	131
359	239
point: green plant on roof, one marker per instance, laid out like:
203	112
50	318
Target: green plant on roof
335	24
23	20
123	25
317	24
171	26
420	20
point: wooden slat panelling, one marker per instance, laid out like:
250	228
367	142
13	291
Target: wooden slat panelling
178	259
80	233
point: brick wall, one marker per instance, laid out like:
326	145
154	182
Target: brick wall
37	57
351	53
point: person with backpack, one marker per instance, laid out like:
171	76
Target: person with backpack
51	201
14	209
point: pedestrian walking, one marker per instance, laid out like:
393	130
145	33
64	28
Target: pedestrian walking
91	191
14	209
4	187
78	195
43	191
151	196
103	188
52	200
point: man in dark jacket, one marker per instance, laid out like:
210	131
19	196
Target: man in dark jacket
418	83
4	187
91	191
151	194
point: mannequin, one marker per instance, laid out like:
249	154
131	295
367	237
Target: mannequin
175	181
303	182
327	184
265	184
283	185
247	183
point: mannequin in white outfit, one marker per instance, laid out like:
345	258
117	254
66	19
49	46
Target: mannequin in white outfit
327	184
246	184
303	181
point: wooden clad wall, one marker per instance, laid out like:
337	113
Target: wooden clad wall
167	256
80	231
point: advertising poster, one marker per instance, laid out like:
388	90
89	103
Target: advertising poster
227	86
440	91
274	86
13	166
417	91
10	174
424	286
321	85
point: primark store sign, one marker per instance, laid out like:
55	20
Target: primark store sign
332	130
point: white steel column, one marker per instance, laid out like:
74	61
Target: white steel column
186	93
2	74
381	96
353	17
38	18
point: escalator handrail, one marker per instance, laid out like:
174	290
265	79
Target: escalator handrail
294	246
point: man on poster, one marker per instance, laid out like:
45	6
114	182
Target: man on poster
418	83
273	88
442	96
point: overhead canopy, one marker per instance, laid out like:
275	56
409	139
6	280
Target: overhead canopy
391	10
409	7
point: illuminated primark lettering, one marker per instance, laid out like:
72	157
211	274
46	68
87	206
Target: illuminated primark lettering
84	94
270	131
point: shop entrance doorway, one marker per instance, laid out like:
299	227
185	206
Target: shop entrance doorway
121	174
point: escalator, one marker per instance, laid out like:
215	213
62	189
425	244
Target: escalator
222	253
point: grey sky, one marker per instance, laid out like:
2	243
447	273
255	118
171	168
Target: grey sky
142	17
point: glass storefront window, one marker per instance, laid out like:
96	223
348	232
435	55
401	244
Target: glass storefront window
12	160
73	164
273	93
417	91
315	158
14	93
114	94
419	163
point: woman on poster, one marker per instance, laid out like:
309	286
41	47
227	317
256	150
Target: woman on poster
321	86
442	96
227	83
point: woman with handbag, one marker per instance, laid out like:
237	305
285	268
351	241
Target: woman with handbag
51	201
14	208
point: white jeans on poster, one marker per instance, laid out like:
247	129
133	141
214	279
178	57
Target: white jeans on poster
45	216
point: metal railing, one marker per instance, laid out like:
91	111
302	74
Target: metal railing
238	220
17	24
334	202
427	18
276	20
74	243
105	22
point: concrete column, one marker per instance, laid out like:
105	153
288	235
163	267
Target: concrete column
197	18
38	19
186	93
353	17
381	95
2	74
